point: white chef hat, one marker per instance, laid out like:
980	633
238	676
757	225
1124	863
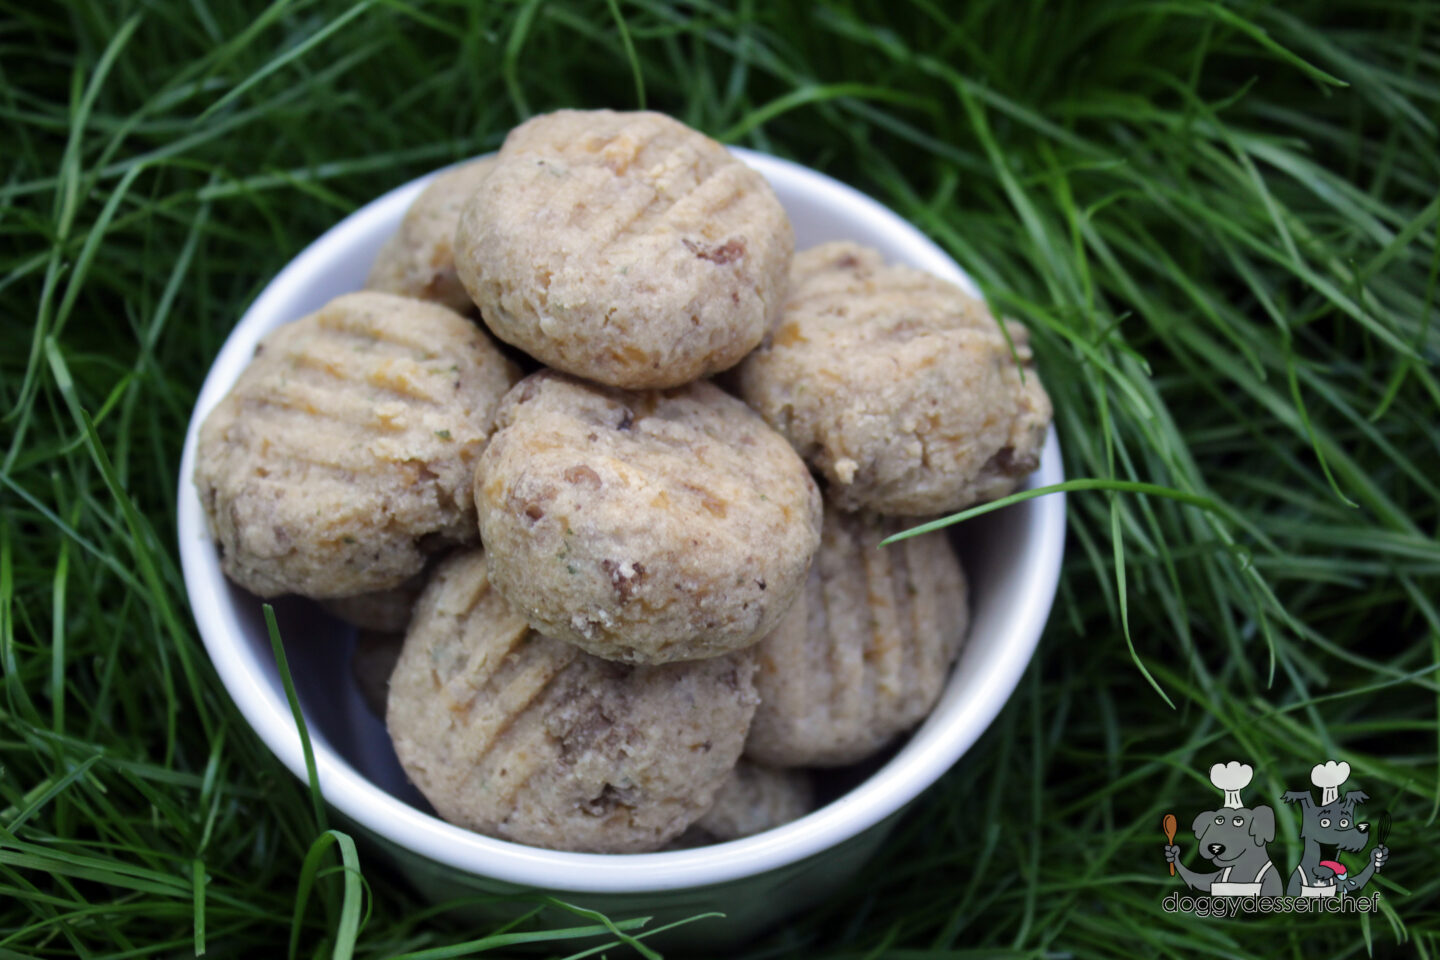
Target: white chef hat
1232	777
1328	776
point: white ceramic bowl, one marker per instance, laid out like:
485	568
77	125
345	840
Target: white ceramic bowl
1012	558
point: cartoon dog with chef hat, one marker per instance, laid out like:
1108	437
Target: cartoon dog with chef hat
1235	839
1331	823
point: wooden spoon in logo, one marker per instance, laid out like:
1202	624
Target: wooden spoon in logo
1169	825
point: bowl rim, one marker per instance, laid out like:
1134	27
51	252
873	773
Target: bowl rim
930	752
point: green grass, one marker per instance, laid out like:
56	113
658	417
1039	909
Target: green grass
1218	219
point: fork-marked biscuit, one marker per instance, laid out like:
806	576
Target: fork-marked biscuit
865	652
345	452
529	739
625	248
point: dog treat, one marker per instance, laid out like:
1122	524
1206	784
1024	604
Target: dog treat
864	653
385	611
345	452
753	799
625	248
897	386
529	739
371	665
645	527
419	260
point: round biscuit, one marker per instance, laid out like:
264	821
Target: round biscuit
344	454
646	526
529	739
864	654
625	248
901	390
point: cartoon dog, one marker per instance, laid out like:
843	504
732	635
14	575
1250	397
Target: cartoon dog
1233	838
1331	823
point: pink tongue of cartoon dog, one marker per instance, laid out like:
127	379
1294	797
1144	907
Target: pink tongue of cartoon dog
1335	865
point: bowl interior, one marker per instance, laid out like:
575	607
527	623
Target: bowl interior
1012	559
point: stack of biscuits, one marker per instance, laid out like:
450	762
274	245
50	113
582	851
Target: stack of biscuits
604	604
